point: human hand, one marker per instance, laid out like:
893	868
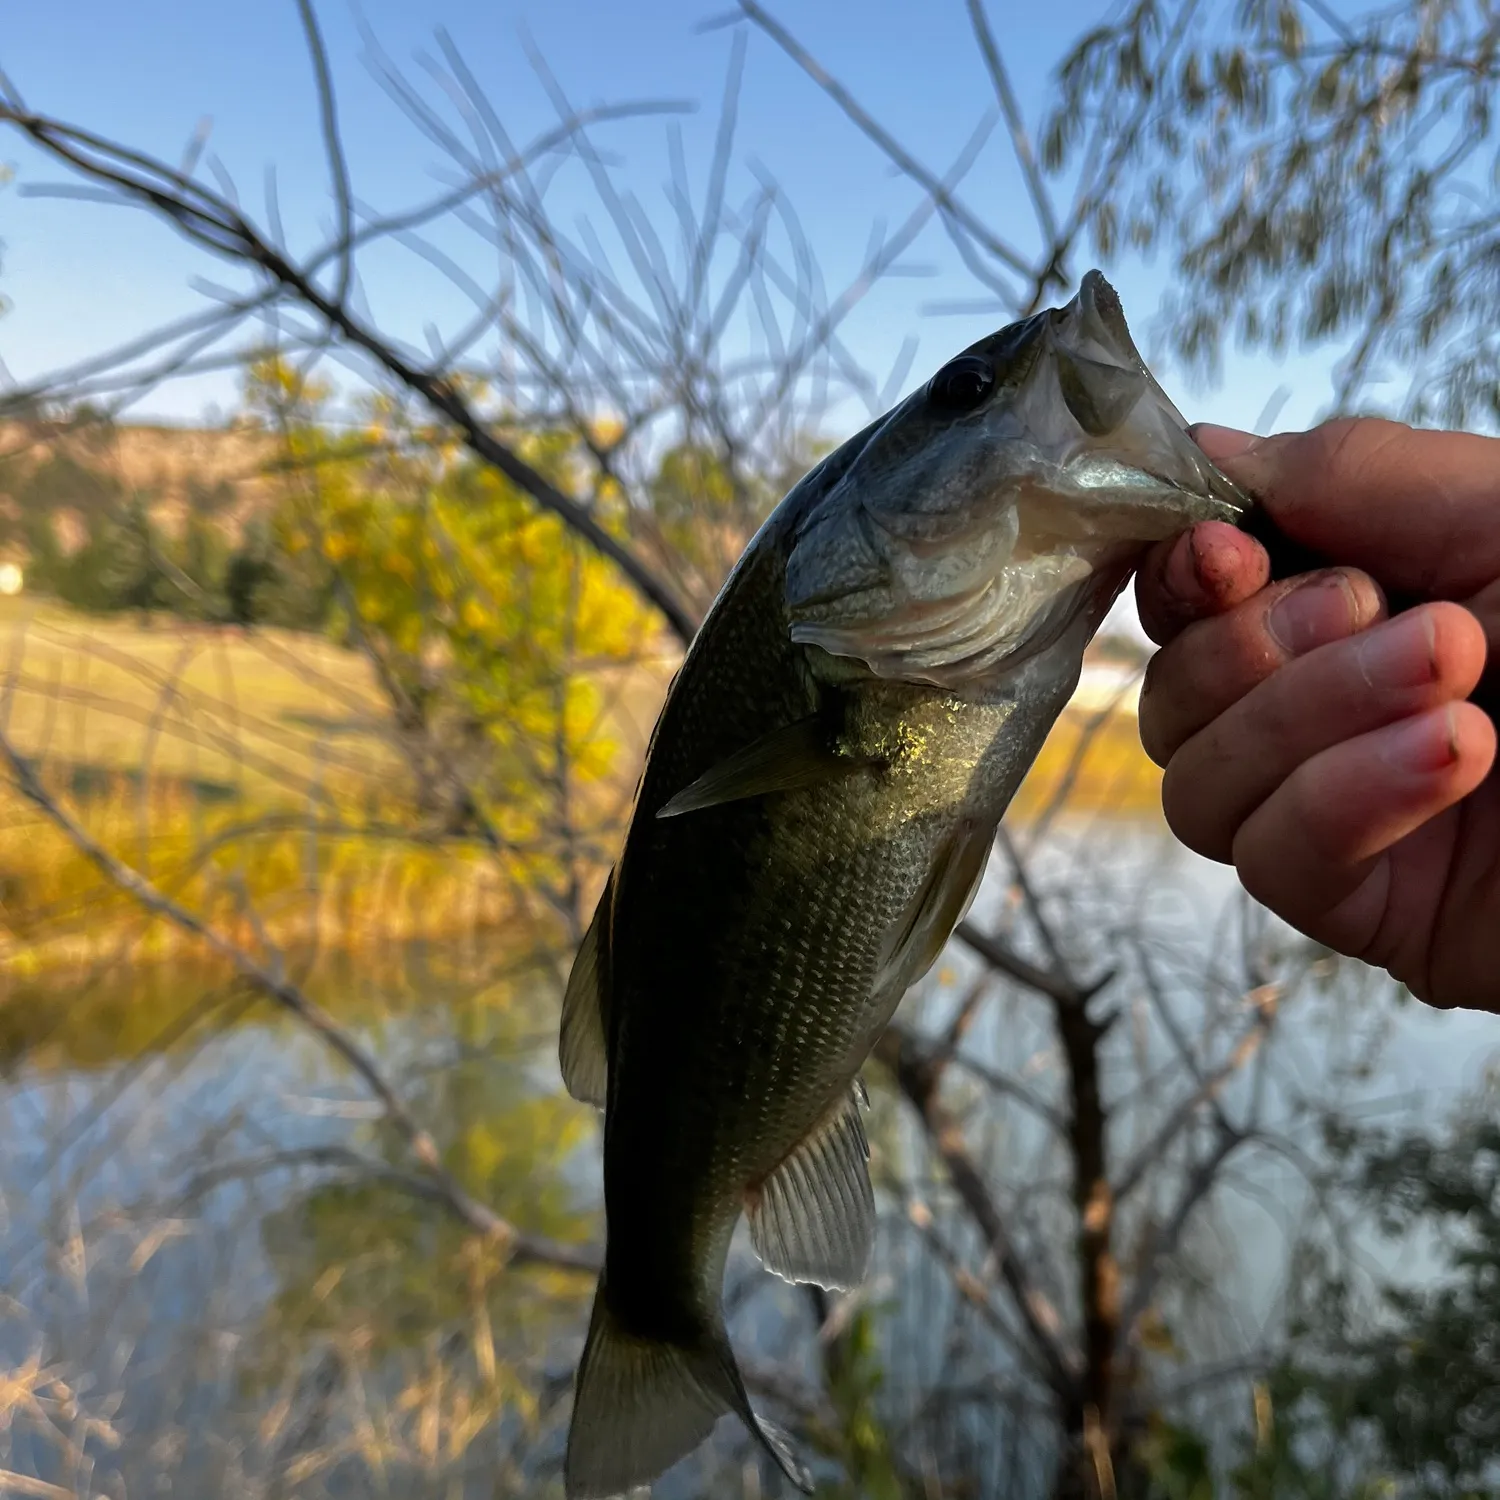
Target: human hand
1326	750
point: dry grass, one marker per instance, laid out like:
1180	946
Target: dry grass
208	760
252	777
260	715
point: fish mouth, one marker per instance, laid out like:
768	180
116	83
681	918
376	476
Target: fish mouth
1000	510
1128	466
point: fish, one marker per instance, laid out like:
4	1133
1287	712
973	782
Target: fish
818	804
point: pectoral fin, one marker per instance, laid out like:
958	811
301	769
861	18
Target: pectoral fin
912	945
797	756
813	1218
583	1039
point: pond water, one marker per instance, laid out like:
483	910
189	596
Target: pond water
197	1298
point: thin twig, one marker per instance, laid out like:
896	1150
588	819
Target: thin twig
939	192
212	222
1038	1316
290	997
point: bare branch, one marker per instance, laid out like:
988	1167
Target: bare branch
291	998
1012	964
1041	197
938	191
523	1248
1208	1087
969	1286
337	164
1040	1319
211	221
1162	1242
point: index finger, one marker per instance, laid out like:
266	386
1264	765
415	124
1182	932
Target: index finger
1205	571
1418	510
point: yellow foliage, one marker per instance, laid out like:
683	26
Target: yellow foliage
491	620
254	780
1091	764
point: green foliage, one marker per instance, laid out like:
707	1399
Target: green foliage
133	574
863	1444
1317	175
487	620
1177	1463
705	512
97	545
1390	1386
1408	1371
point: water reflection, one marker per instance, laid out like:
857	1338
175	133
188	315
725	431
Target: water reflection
180	1224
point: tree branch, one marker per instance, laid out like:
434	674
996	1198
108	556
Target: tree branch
524	1248
209	220
284	993
1036	186
919	1082
943	196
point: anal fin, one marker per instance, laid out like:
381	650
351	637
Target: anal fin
582	1047
813	1219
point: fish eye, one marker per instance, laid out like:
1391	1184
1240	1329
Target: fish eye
962	384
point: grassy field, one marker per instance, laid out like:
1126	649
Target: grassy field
238	715
241	774
215	763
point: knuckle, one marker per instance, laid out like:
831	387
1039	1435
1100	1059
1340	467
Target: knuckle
1261	871
1192	683
1286	837
1191	811
1271	720
1351	446
1313	814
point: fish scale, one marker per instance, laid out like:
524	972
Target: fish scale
817	807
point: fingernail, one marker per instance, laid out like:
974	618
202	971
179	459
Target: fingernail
1222	442
1319	609
1400	654
1423	745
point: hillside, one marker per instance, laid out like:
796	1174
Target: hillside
64	469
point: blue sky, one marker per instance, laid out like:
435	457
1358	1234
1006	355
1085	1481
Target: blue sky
80	276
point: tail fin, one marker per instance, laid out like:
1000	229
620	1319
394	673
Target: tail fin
640	1405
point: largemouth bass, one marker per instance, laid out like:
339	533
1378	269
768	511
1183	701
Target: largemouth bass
818	805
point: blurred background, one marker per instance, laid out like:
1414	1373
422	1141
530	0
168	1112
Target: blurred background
385	392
